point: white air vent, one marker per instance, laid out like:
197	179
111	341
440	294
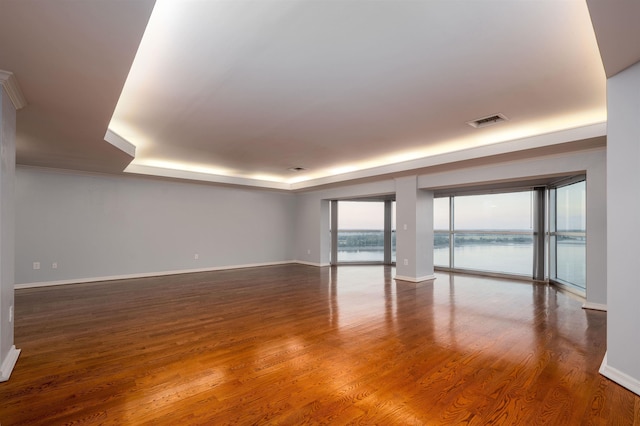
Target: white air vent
487	121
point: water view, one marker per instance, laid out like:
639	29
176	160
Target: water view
363	245
503	253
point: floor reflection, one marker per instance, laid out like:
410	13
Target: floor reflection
456	311
293	344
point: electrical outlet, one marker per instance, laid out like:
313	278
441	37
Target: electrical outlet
54	265
406	262
36	265
308	251
196	256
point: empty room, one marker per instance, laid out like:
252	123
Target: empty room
319	212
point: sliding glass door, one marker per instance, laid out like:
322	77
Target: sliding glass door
568	234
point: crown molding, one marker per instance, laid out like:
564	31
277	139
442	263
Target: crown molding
10	85
121	143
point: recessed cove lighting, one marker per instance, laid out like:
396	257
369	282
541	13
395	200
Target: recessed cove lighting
487	121
296	169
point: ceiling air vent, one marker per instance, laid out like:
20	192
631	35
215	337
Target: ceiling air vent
487	121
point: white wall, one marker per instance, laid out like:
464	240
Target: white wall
623	229
98	226
8	352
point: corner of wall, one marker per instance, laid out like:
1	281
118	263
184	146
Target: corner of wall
619	377
6	368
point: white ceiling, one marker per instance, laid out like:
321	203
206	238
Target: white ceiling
241	91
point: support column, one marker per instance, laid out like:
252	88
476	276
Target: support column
596	237
539	208
334	232
11	99
388	246
623	229
414	229
325	235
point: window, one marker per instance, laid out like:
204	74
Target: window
360	231
494	233
488	232
365	231
507	232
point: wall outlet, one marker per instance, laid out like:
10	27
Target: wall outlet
406	262
54	265
308	251
196	256
11	313
36	265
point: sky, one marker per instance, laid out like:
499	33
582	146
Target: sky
361	215
506	211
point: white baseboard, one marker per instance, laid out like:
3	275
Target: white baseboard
594	306
147	274
319	265
619	377
8	363
415	280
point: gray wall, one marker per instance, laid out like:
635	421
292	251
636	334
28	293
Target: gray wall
8	352
623	228
98	226
309	246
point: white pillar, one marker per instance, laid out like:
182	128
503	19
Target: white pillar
623	229
11	99
325	234
596	236
414	231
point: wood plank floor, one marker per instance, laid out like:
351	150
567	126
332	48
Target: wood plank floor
295	344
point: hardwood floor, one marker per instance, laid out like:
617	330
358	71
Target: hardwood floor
296	344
